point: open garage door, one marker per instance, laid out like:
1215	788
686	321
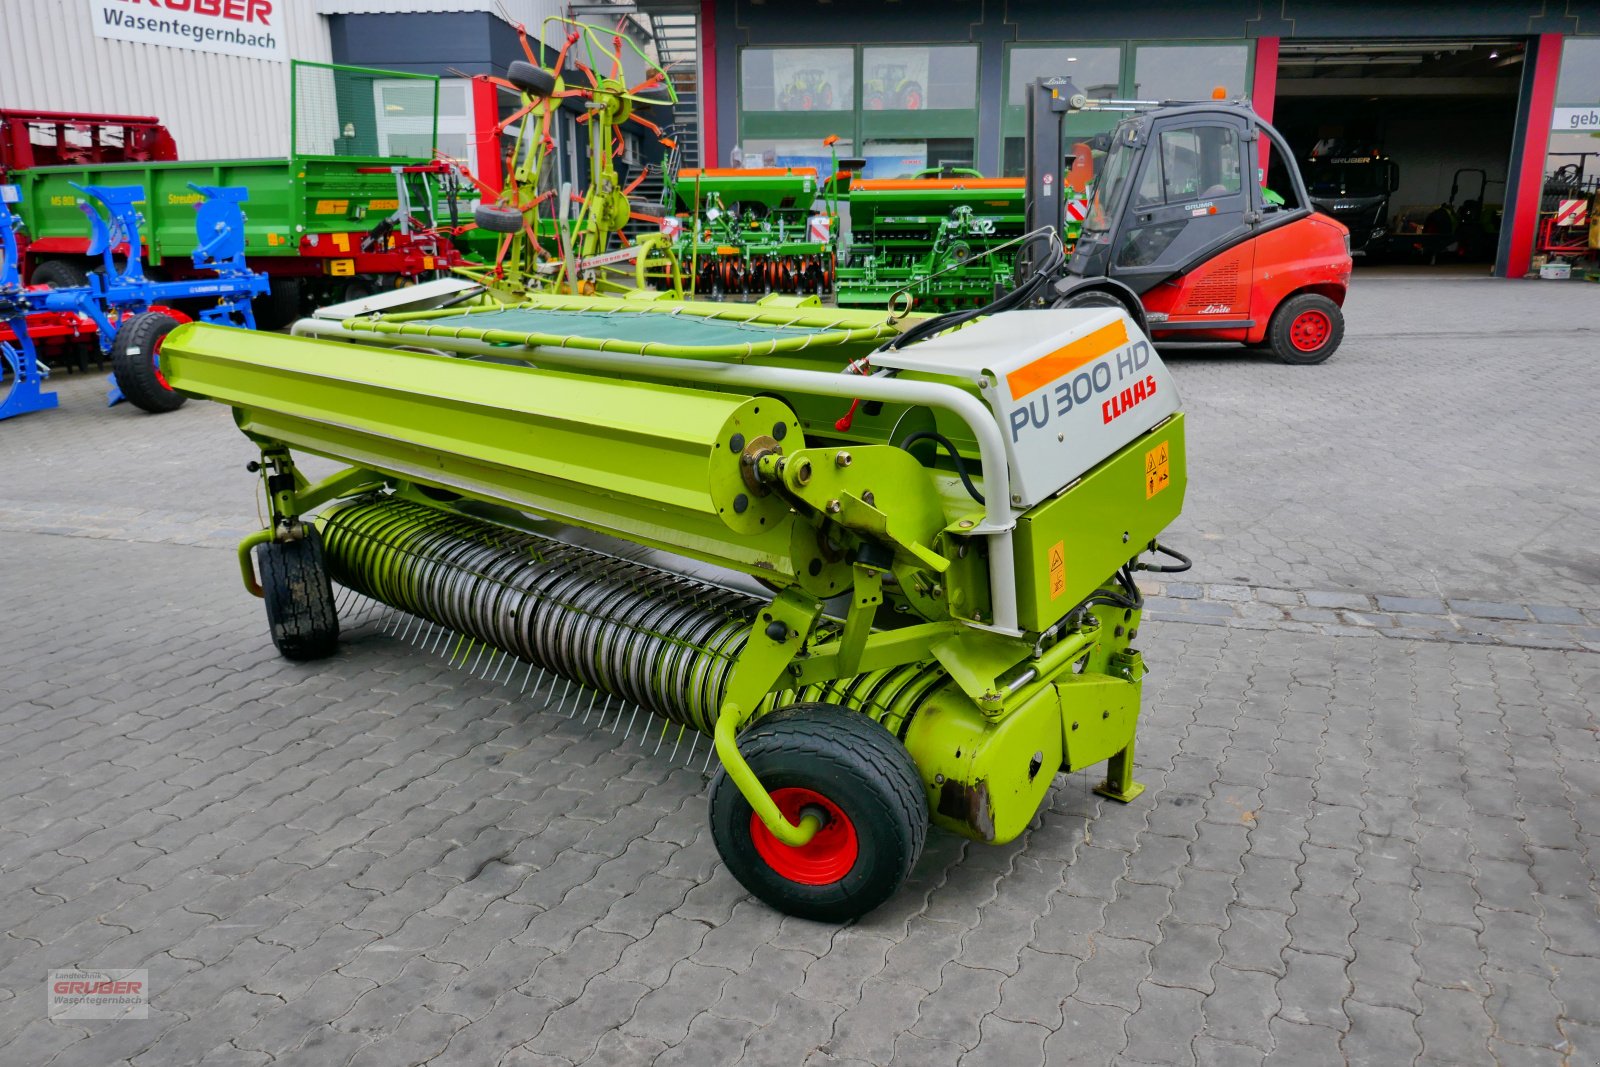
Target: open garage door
1408	142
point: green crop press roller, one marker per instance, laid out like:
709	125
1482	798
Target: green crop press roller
886	566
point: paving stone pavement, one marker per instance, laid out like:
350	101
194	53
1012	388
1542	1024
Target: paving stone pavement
1352	848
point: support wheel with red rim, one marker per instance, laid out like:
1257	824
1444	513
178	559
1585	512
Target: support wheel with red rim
860	782
135	358
1306	329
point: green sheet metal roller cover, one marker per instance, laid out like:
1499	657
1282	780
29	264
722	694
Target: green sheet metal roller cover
493	430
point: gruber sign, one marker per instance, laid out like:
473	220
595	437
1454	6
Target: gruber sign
251	28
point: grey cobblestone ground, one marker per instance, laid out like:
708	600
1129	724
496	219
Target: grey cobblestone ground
1353	847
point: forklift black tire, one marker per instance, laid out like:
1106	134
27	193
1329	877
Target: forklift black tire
535	81
497	219
134	358
843	766
1090	298
1305	329
59	274
300	609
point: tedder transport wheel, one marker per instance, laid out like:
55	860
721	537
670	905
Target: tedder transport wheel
1306	329
299	596
135	353
497	219
852	772
535	81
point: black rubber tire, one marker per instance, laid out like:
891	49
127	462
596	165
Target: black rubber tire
1092	298
1278	332
497	219
300	610
535	81
59	274
857	765
280	306
133	359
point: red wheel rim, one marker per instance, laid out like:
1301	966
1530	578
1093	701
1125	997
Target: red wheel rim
155	357
1310	329
823	860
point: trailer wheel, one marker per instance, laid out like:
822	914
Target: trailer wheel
59	274
497	219
135	358
1306	329
535	81
852	772
300	609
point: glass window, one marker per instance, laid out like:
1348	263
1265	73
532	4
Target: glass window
1579	82
1190	72
919	79
1199	162
768	152
1095	71
797	79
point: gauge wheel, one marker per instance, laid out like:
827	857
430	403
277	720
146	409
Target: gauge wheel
135	358
530	79
301	613
497	219
860	782
1306	329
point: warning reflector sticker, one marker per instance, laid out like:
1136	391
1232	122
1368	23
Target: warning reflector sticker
1156	473
1058	569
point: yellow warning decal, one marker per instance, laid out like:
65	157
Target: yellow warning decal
1156	473
342	267
332	207
384	205
1058	569
341	241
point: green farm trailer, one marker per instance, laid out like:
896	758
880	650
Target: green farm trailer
360	204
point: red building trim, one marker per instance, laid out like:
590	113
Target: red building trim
1535	143
708	84
485	116
1264	88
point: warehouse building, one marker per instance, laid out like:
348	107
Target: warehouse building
1486	98
1410	109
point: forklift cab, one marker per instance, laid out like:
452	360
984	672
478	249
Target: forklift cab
1177	187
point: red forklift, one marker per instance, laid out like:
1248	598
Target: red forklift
1182	233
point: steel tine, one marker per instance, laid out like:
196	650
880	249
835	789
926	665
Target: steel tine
629	732
423	633
711	754
694	743
444	632
481	653
493	666
659	740
412	622
526	678
590	709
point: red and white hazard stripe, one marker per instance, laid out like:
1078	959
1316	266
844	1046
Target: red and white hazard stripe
1078	210
1573	213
